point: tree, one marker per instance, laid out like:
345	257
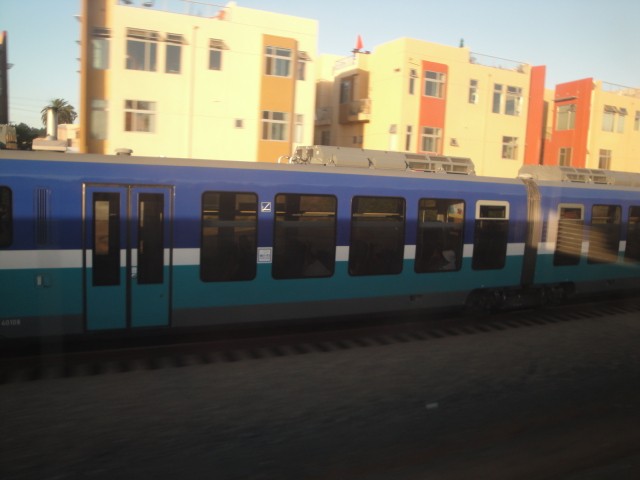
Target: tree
66	111
26	134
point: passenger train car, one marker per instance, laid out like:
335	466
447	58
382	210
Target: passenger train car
127	244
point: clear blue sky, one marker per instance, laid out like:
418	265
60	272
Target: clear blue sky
573	38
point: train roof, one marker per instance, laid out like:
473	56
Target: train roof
580	175
344	168
361	162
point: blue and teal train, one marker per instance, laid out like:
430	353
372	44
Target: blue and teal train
128	244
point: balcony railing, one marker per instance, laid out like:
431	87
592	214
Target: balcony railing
323	116
355	111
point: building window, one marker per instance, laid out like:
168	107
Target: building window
173	53
413	76
239	123
139	116
98	125
431	138
636	122
512	100
434	84
440	235
346	90
229	236
490	235
299	129
377	236
622	115
473	91
216	46
497	98
408	140
304	243
100	48
278	61
325	137
604	234
604	159
569	237
6	217
510	148
565	117
274	125
564	156
303	58
141	50
613	119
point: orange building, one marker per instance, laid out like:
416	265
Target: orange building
594	125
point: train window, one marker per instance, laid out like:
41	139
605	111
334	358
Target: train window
604	234
304	244
150	238
490	235
106	239
632	250
377	236
440	235
229	236
6	217
569	238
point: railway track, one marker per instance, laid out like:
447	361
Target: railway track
60	365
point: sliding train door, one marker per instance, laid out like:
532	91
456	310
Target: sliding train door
127	266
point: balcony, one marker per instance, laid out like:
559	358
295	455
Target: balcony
355	111
323	116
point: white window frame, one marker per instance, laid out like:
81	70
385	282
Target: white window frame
510	148
273	127
149	40
140	119
431	135
278	61
434	83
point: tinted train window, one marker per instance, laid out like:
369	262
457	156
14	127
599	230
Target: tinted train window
604	234
106	239
150	238
490	235
569	238
632	251
377	235
304	244
440	235
6	217
229	236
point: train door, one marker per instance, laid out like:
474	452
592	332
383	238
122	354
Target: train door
127	245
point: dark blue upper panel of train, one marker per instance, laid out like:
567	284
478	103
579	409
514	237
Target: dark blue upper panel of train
62	178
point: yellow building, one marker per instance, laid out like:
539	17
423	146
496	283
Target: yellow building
595	125
414	96
229	83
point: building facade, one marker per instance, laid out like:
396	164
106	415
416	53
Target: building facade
414	96
594	125
228	83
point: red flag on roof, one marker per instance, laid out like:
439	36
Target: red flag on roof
359	44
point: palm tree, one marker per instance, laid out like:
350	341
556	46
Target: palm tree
66	112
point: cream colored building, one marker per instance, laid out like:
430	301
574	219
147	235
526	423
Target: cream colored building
594	124
414	96
228	83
